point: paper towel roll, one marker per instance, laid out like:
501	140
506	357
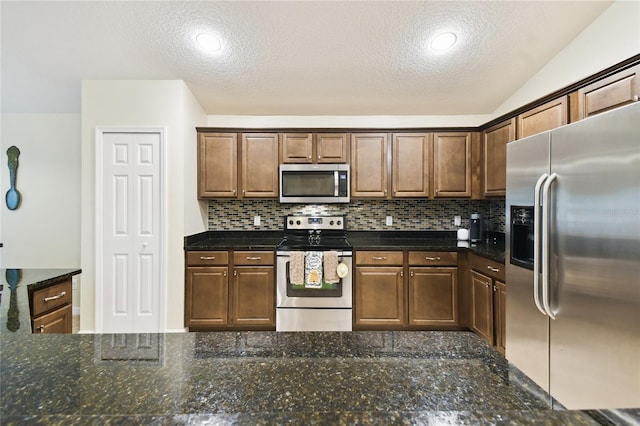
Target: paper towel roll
463	234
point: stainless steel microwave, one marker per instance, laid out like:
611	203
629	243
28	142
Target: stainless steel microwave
314	183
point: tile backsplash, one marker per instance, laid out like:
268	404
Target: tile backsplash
362	215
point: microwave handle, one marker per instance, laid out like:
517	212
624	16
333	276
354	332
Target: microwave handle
336	183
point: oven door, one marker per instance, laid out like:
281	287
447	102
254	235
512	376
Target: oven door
289	296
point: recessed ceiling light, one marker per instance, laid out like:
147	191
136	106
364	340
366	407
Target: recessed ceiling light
443	41
208	42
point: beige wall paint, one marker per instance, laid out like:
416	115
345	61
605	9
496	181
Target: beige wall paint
140	104
612	37
43	232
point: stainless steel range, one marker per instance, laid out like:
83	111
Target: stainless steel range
314	276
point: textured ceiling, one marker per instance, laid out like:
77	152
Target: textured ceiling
288	58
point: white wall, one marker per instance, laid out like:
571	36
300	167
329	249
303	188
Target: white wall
43	232
140	103
612	37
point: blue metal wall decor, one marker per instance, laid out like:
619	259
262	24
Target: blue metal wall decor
13	196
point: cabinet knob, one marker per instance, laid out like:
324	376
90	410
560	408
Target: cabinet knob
411	273
40	329
224	274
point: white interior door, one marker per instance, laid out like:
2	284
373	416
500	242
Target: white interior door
129	290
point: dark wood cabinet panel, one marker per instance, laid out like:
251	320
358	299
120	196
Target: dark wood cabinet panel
207	296
379	296
548	116
500	315
297	147
494	164
57	321
411	165
433	296
369	165
332	147
217	165
260	165
482	305
612	92
253	296
452	164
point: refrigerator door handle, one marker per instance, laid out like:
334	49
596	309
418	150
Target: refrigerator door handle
545	244
536	243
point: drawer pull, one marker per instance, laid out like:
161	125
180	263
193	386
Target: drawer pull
207	258
57	296
253	258
493	269
432	258
40	329
379	257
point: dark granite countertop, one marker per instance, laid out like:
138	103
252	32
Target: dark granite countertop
15	285
267	378
492	247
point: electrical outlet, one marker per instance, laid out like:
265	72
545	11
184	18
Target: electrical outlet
457	220
256	221
389	220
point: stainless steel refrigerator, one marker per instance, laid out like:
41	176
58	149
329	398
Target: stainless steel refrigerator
573	260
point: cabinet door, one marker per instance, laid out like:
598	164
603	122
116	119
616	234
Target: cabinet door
206	297
379	296
482	306
500	314
369	165
545	117
332	147
260	165
411	165
615	91
217	165
297	148
452	164
253	296
495	157
58	321
433	296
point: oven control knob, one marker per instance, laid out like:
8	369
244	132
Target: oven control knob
331	223
297	222
290	222
339	222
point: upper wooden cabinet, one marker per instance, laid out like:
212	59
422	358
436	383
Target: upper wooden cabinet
220	156
494	156
452	164
217	165
259	165
369	165
315	148
545	117
411	160
612	92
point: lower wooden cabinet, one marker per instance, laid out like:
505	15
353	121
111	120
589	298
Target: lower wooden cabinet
488	300
386	298
50	308
500	315
230	290
379	296
482	305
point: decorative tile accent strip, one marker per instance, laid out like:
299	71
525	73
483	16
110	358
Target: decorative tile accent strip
362	215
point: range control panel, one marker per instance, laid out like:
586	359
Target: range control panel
336	223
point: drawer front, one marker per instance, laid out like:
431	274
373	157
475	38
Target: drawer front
206	258
487	267
58	321
253	258
379	258
433	258
51	297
